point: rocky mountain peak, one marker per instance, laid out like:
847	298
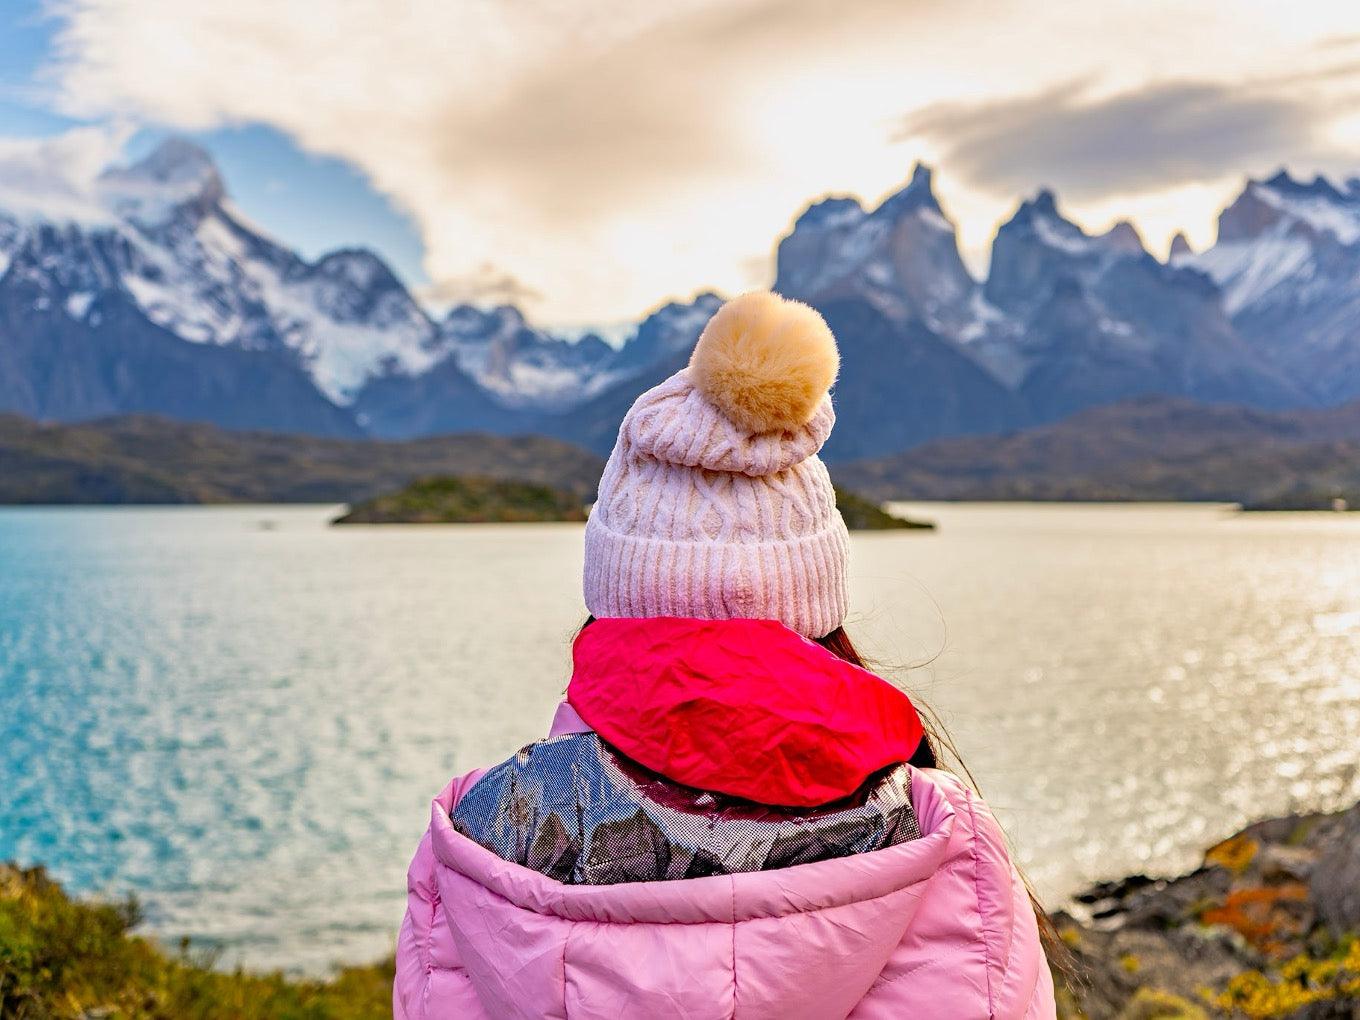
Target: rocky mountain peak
919	193
357	267
1038	220
832	211
1318	187
904	253
508	317
177	174
1124	237
1180	247
176	160
1044	203
1312	210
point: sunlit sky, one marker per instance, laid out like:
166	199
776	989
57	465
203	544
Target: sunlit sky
590	158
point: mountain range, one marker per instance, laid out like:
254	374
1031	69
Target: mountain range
163	298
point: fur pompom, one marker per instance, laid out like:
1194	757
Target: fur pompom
766	362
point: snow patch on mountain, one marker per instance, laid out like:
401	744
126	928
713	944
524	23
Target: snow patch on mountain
1278	242
152	192
1249	271
198	268
1288	260
1063	235
167	237
523	366
1330	214
78	304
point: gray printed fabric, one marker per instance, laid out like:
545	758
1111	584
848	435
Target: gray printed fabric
576	810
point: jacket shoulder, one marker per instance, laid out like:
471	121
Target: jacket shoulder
1017	976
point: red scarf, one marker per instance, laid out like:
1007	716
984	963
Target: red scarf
742	707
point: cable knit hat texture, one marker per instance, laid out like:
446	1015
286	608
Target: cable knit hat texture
714	504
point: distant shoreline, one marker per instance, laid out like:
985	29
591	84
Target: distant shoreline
1149	450
338	506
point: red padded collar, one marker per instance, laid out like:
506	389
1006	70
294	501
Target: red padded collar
742	707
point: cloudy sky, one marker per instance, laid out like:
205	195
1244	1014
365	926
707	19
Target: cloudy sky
590	158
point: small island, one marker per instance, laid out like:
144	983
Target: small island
865	515
467	500
1307	500
446	499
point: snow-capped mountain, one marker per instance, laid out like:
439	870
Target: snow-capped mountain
523	366
156	294
164	239
667	333
1095	318
910	319
198	269
1288	261
163	236
1064	319
75	345
902	257
499	374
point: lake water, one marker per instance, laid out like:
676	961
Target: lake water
241	715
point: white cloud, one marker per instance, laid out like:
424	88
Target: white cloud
54	178
606	154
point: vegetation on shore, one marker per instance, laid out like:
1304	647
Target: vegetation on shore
453	500
1308	500
1266	928
66	960
865	515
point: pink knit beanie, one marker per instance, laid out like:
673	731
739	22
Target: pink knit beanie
714	504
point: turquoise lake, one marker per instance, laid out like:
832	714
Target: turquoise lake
240	714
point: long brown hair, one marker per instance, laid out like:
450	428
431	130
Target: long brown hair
937	750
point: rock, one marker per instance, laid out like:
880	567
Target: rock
1266	927
1336	875
1286	863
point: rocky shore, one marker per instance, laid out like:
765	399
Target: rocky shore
1268	926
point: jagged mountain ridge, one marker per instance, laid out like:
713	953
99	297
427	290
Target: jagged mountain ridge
215	320
1063	319
170	250
1287	260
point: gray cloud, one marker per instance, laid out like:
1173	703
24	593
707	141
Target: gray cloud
607	152
633	121
1090	146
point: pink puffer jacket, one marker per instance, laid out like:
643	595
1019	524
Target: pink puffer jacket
938	927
